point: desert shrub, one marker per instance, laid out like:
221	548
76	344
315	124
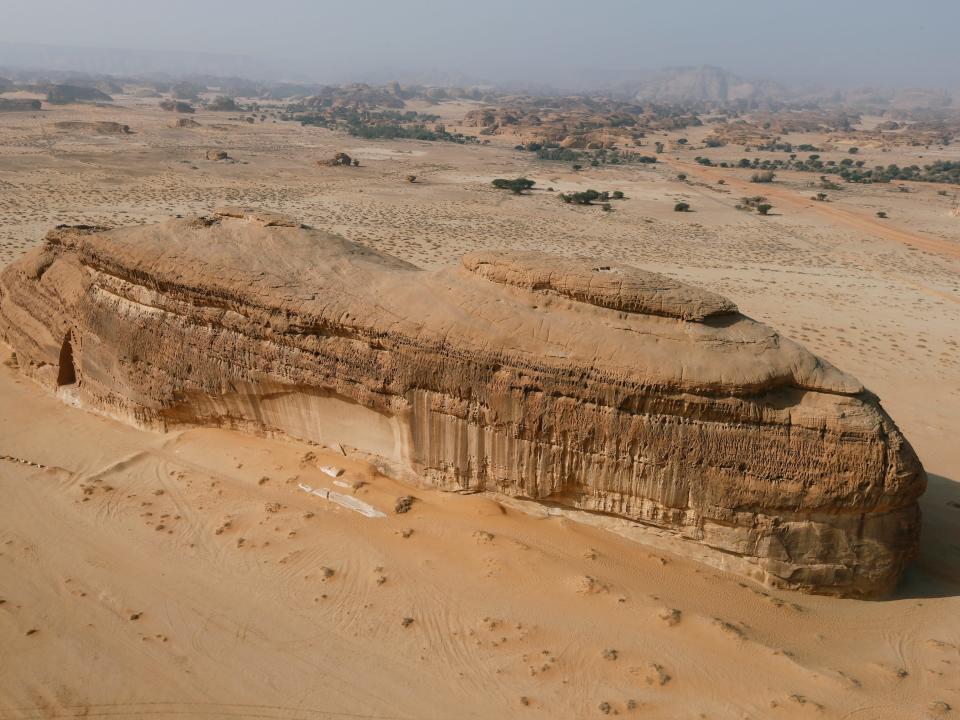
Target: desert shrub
580	198
765	176
681	207
607	207
518	185
222	103
618	195
881	214
853	150
764	208
681	176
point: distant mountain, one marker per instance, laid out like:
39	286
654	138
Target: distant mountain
704	83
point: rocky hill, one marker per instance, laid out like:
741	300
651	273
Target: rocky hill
703	84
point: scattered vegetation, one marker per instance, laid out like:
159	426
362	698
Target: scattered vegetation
599	156
854	171
587	197
757	202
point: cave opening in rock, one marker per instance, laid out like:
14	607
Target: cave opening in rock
68	373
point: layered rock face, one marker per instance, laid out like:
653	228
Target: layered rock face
594	386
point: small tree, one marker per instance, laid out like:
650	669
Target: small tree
517	186
763	177
577	168
853	150
681	176
764	208
881	214
618	195
607	207
681	207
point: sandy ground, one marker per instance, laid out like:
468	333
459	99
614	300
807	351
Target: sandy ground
186	575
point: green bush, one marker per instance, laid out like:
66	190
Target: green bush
681	207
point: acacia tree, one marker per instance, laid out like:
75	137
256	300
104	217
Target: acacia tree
517	186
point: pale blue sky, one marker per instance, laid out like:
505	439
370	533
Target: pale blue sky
838	42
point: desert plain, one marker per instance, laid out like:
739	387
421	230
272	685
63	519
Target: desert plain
187	575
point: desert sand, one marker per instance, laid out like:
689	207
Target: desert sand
187	574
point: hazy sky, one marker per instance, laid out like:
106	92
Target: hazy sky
836	42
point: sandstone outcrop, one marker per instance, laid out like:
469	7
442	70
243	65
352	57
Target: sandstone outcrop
595	386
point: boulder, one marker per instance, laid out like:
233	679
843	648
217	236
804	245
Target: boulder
581	384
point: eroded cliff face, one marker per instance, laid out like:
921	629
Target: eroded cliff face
594	386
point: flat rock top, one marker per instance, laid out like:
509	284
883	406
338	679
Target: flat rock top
614	286
538	311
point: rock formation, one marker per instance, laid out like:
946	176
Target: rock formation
183	123
341	158
595	386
